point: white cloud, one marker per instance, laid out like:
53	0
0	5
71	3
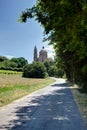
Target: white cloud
9	56
51	52
49	48
51	55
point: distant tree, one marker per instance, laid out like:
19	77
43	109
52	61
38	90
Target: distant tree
2	58
21	62
8	65
48	64
52	70
12	64
60	73
35	70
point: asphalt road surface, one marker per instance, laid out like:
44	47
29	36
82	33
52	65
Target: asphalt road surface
51	108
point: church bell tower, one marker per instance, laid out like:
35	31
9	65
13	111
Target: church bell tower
35	54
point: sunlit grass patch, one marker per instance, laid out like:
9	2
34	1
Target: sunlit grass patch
9	72
13	87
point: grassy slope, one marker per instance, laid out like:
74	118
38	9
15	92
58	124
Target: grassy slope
13	87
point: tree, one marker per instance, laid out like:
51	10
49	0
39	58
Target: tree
48	64
21	62
2	58
53	71
35	70
66	26
8	65
12	64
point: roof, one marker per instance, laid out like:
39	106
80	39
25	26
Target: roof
43	50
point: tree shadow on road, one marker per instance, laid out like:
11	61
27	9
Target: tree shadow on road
54	111
60	85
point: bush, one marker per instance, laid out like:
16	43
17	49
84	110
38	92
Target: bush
35	70
8	65
52	70
60	73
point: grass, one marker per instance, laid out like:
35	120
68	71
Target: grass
14	86
81	100
9	72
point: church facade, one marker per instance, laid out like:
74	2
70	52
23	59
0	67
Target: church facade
42	55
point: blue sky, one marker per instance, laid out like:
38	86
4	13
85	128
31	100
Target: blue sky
19	39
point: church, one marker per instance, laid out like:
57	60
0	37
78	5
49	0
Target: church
42	55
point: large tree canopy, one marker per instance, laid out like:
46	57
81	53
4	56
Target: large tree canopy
65	22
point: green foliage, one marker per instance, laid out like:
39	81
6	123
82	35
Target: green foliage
35	70
2	58
8	65
66	26
52	70
60	73
55	72
15	64
21	62
48	64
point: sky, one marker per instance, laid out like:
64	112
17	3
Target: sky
19	39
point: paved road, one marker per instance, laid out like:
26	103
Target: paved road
51	108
